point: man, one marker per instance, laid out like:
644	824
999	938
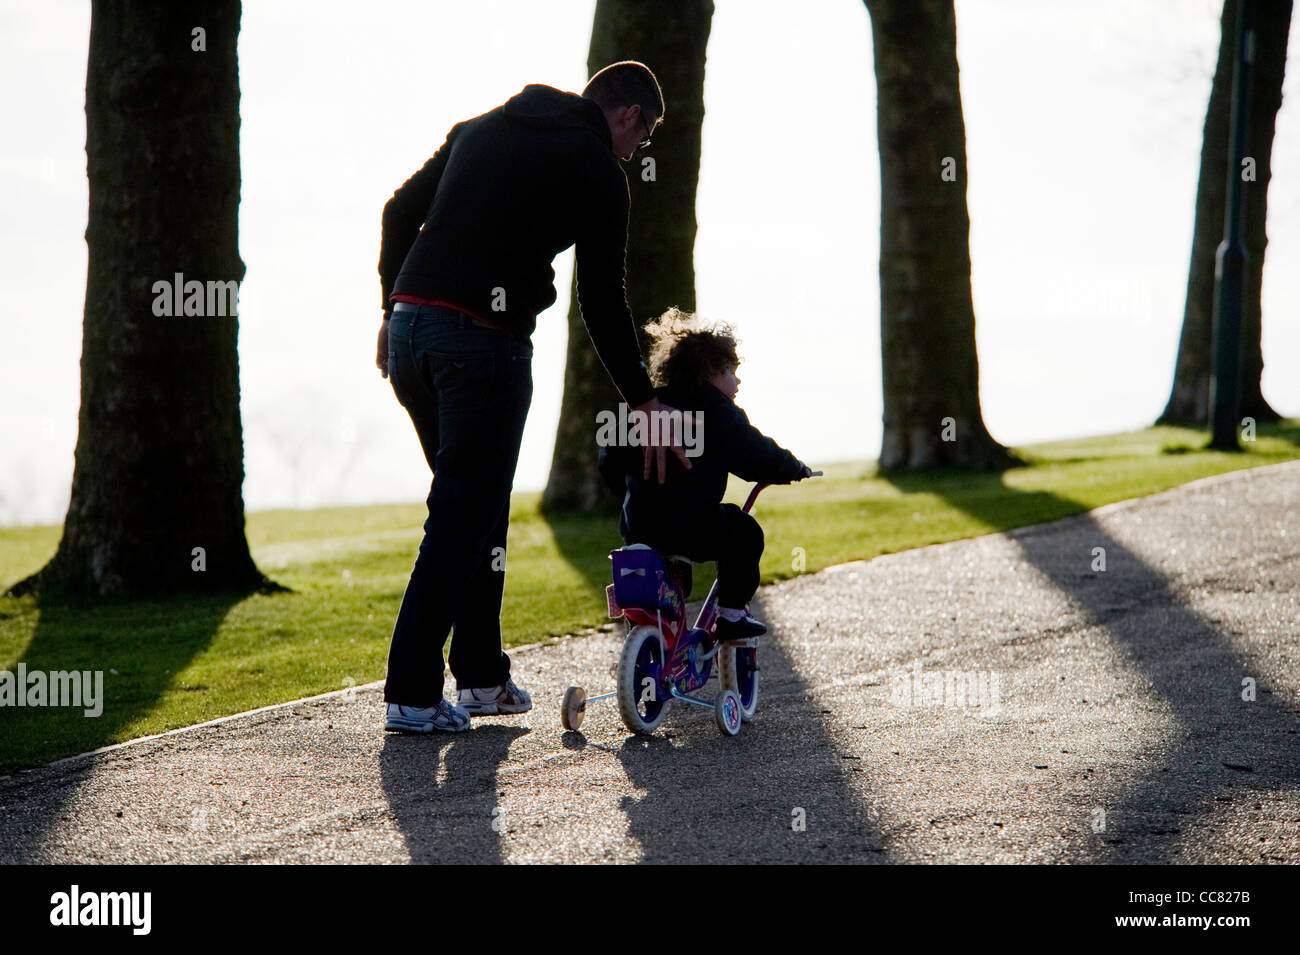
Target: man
465	264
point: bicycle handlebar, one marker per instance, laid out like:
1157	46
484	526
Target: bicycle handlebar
758	487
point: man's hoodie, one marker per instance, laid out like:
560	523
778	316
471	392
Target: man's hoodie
480	223
729	444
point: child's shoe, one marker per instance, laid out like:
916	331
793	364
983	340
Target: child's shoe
742	628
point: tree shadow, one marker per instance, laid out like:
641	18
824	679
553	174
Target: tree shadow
1215	737
584	541
1287	429
778	767
448	817
786	796
138	647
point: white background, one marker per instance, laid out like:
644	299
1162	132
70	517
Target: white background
1083	123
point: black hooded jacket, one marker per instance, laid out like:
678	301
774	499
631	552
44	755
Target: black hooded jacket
729	445
479	224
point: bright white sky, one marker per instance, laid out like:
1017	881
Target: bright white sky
1083	123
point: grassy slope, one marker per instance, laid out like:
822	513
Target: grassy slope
177	662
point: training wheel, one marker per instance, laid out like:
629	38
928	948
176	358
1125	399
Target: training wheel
573	707
726	712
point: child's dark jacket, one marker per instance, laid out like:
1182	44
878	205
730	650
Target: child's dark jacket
730	445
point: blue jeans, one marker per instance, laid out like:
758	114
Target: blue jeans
467	389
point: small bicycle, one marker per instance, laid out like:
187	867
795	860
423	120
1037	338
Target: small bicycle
663	659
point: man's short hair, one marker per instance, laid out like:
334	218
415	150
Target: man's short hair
627	83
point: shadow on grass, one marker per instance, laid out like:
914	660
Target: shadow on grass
584	541
1212	730
1288	430
138	647
985	496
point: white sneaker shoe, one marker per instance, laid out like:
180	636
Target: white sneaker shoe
487	701
445	717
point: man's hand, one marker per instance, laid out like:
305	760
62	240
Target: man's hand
656	454
381	348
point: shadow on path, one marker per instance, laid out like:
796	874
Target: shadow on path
1200	681
783	766
443	790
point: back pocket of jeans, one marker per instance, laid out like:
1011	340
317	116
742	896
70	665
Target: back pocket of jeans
463	379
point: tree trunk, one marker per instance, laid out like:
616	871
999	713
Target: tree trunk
671	40
930	372
1189	399
156	502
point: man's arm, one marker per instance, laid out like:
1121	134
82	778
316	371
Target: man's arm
602	297
405	213
403	216
601	252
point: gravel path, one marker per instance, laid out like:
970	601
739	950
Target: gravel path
990	700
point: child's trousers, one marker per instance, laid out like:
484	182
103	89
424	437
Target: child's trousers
721	532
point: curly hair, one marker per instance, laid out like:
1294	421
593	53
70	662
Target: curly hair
684	351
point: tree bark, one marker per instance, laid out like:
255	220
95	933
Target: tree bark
671	40
930	372
1189	398
159	459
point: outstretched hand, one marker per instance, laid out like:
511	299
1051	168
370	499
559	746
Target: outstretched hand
655	455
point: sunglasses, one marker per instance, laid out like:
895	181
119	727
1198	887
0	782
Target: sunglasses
645	143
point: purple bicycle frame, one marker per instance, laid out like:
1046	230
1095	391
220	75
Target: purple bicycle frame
690	652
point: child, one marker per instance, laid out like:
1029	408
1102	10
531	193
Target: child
694	368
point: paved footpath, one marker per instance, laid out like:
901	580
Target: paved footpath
990	700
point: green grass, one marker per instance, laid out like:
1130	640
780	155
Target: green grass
177	662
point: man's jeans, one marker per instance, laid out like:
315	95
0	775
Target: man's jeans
467	389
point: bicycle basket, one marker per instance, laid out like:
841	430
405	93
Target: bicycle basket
641	580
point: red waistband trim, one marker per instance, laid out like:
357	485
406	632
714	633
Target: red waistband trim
417	300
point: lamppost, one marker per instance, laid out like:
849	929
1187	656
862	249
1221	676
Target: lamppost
1230	259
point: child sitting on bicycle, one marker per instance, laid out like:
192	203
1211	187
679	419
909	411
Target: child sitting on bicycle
693	367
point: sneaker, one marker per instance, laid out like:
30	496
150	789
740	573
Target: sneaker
741	629
495	699
443	718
